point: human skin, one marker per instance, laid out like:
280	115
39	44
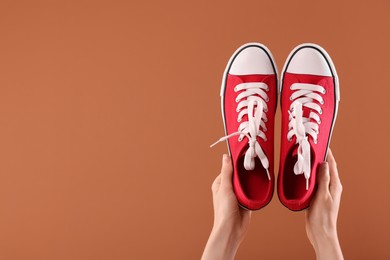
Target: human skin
231	221
321	217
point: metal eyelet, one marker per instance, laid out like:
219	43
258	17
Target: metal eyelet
291	87
238	120
315	141
267	99
322	102
239	139
319	122
267	89
237	100
289	139
265	130
324	92
235	89
266	110
291	98
320	112
265	139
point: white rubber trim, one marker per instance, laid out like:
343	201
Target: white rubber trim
327	57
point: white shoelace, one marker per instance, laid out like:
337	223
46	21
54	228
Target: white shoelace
304	96
251	102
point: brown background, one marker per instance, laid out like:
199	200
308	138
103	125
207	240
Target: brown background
107	110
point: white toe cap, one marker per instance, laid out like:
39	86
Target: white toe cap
252	60
310	61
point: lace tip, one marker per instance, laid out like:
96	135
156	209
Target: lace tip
269	176
214	144
307	184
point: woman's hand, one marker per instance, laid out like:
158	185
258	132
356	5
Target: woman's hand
230	220
321	217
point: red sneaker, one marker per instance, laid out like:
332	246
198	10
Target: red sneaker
249	99
309	102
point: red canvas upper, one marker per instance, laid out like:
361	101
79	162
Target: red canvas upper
253	189
292	188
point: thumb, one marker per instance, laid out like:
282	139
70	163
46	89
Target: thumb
323	178
226	171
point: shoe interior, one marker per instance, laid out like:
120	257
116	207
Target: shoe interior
255	183
294	186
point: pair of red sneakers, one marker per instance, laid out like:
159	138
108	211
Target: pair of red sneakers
309	95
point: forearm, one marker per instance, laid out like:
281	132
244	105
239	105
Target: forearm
222	244
328	248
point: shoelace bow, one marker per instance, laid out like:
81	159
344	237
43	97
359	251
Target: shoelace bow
251	102
301	126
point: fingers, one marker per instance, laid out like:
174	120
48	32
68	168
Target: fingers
225	177
323	178
334	174
226	171
216	184
335	184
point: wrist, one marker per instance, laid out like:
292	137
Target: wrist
327	246
223	243
227	235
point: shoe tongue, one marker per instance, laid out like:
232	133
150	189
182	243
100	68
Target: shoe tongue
306	112
295	150
243	147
